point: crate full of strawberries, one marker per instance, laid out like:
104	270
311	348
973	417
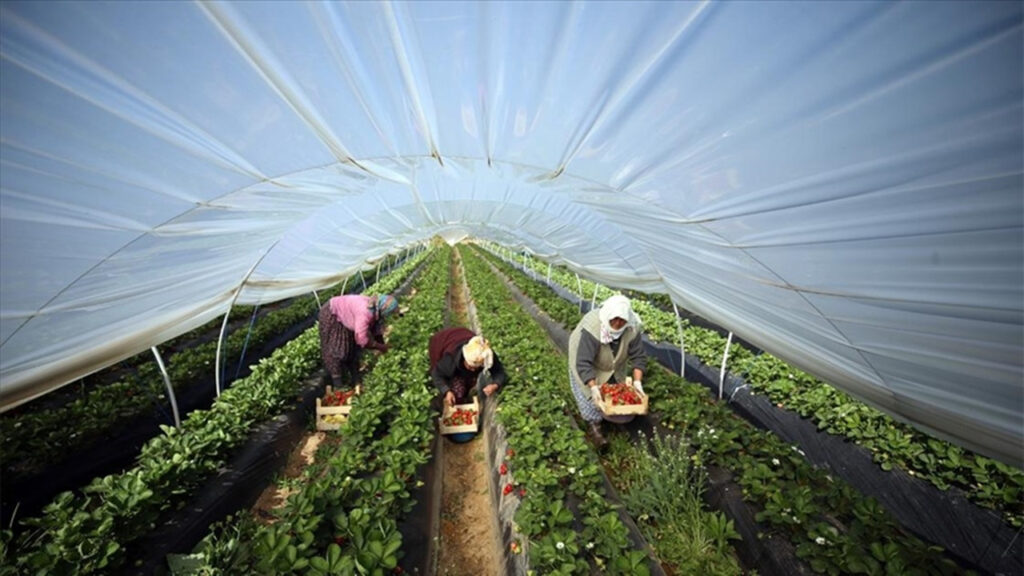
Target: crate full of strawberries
622	399
461	418
333	409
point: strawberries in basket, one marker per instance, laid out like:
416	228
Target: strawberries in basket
460	417
620	394
338	397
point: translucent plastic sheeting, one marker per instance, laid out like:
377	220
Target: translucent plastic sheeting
839	183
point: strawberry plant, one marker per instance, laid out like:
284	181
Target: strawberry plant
792	494
91	531
344	516
892	443
31	439
552	463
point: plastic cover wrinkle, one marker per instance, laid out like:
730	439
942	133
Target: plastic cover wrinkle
838	184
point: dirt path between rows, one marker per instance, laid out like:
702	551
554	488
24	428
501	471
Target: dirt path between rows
467	531
467	546
275	495
467	537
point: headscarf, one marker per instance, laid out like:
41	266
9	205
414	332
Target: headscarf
386	304
477	353
617	306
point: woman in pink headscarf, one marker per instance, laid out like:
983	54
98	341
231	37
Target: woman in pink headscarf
349	324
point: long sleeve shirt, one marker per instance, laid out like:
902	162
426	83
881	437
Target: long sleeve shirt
589	346
451	370
355	311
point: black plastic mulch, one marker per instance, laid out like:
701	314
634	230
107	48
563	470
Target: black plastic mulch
769	556
976	537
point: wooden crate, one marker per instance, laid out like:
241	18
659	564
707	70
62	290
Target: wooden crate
474	407
626	409
339	411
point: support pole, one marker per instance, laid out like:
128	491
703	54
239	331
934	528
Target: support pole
579	288
224	325
245	345
721	374
167	384
682	347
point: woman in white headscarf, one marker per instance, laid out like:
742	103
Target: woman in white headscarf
458	357
604	342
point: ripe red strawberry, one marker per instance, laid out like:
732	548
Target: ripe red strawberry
508	489
503	469
620	394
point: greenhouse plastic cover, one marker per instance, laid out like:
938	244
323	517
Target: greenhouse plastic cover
839	183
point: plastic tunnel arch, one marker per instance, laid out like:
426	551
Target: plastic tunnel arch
839	183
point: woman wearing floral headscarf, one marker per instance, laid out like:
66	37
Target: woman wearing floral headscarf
458	357
603	343
349	324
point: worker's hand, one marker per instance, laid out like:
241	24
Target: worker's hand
490	389
449	398
382	347
639	386
595	394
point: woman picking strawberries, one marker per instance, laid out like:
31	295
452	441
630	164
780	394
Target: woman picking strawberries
458	357
349	324
603	343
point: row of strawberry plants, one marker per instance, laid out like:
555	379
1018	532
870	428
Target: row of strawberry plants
833	527
658	325
31	440
985	481
344	515
88	533
84	386
564	520
688	538
37	439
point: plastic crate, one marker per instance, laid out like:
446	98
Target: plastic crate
331	417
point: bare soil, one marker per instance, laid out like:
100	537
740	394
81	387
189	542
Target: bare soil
467	524
277	493
468	540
